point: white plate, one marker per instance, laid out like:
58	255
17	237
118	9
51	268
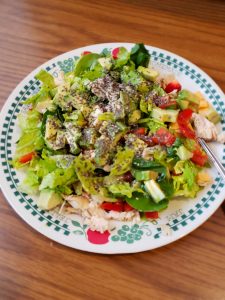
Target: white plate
178	220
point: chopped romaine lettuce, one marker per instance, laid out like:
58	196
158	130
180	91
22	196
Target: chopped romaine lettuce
46	78
154	125
123	189
85	173
123	162
86	63
122	59
59	177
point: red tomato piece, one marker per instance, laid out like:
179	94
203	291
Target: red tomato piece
152	215
187	131
27	157
199	157
85	52
163	137
115	206
173	85
115	53
183	121
127	207
184	116
140	130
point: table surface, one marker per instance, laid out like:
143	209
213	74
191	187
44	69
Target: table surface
33	267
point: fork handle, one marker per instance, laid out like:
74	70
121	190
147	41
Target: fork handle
220	168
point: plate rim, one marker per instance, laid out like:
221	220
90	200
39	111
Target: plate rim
48	232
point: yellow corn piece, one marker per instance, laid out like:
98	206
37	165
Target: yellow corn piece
204	179
202	102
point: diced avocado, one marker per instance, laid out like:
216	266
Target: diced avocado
113	130
184	104
147	73
48	200
58	141
154	190
189	96
63	160
76	117
52	126
184	153
61	98
72	136
134	116
105	62
210	114
164	115
144	175
88	138
118	107
102	149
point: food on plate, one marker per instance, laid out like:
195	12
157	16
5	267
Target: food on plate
113	140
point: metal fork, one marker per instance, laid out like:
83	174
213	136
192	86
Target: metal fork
220	168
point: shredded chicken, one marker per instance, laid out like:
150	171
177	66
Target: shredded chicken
206	129
77	202
100	220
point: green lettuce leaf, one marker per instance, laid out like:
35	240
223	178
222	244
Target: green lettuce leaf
95	73
123	189
154	125
140	55
59	177
123	162
86	63
143	202
46	78
31	138
30	184
42	95
85	173
122	59
131	76
185	184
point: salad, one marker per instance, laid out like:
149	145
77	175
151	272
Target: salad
113	139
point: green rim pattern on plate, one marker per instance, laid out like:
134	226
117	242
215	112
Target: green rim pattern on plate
44	217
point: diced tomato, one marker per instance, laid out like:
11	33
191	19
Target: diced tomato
173	85
27	157
163	137
140	130
115	206
85	52
115	53
152	215
187	131
118	206
127	207
199	157
128	177
184	116
183	121
169	104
